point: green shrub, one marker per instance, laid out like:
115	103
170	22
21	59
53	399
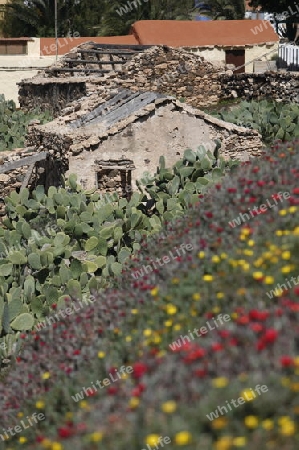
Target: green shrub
273	120
13	123
68	242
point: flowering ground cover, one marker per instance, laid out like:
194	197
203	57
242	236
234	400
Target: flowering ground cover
213	331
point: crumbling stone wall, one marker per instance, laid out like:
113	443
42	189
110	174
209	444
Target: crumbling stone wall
160	69
49	95
257	86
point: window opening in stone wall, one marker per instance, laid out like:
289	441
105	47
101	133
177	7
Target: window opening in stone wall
114	176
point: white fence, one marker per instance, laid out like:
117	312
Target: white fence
288	57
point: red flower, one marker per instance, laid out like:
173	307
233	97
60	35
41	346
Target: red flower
217	347
296	290
244	320
296	191
76	352
40	439
270	336
224	333
286	361
112	390
260	345
139	369
209	215
231	190
261	183
54	306
201	373
64	432
255	314
256	327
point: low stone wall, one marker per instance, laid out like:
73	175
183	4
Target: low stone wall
48	94
256	86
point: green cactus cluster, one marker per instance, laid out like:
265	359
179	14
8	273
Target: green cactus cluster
69	242
273	120
14	122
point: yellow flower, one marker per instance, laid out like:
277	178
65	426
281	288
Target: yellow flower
220	382
83	404
234	316
154	291
168	323
283	420
269	280
128	338
294	387
267	424
40	404
69	415
134	311
177	327
101	355
241	291
219	423
248	252
282	212
216	310
20	414
224	443
134	402
251	242
257	275
239	441
183	438
201	255
56	446
147	332
279	232
152	439
219	295
175	281
215	259
245	231
286	255
157	339
196	296
96	437
251	421
22	440
286	269
46	443
285	381
208	277
296	231
293	209
248	395
288	428
171	309
46	375
169	407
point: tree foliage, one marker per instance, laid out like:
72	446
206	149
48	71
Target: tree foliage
104	17
223	9
290	12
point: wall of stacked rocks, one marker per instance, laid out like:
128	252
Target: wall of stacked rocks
271	85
